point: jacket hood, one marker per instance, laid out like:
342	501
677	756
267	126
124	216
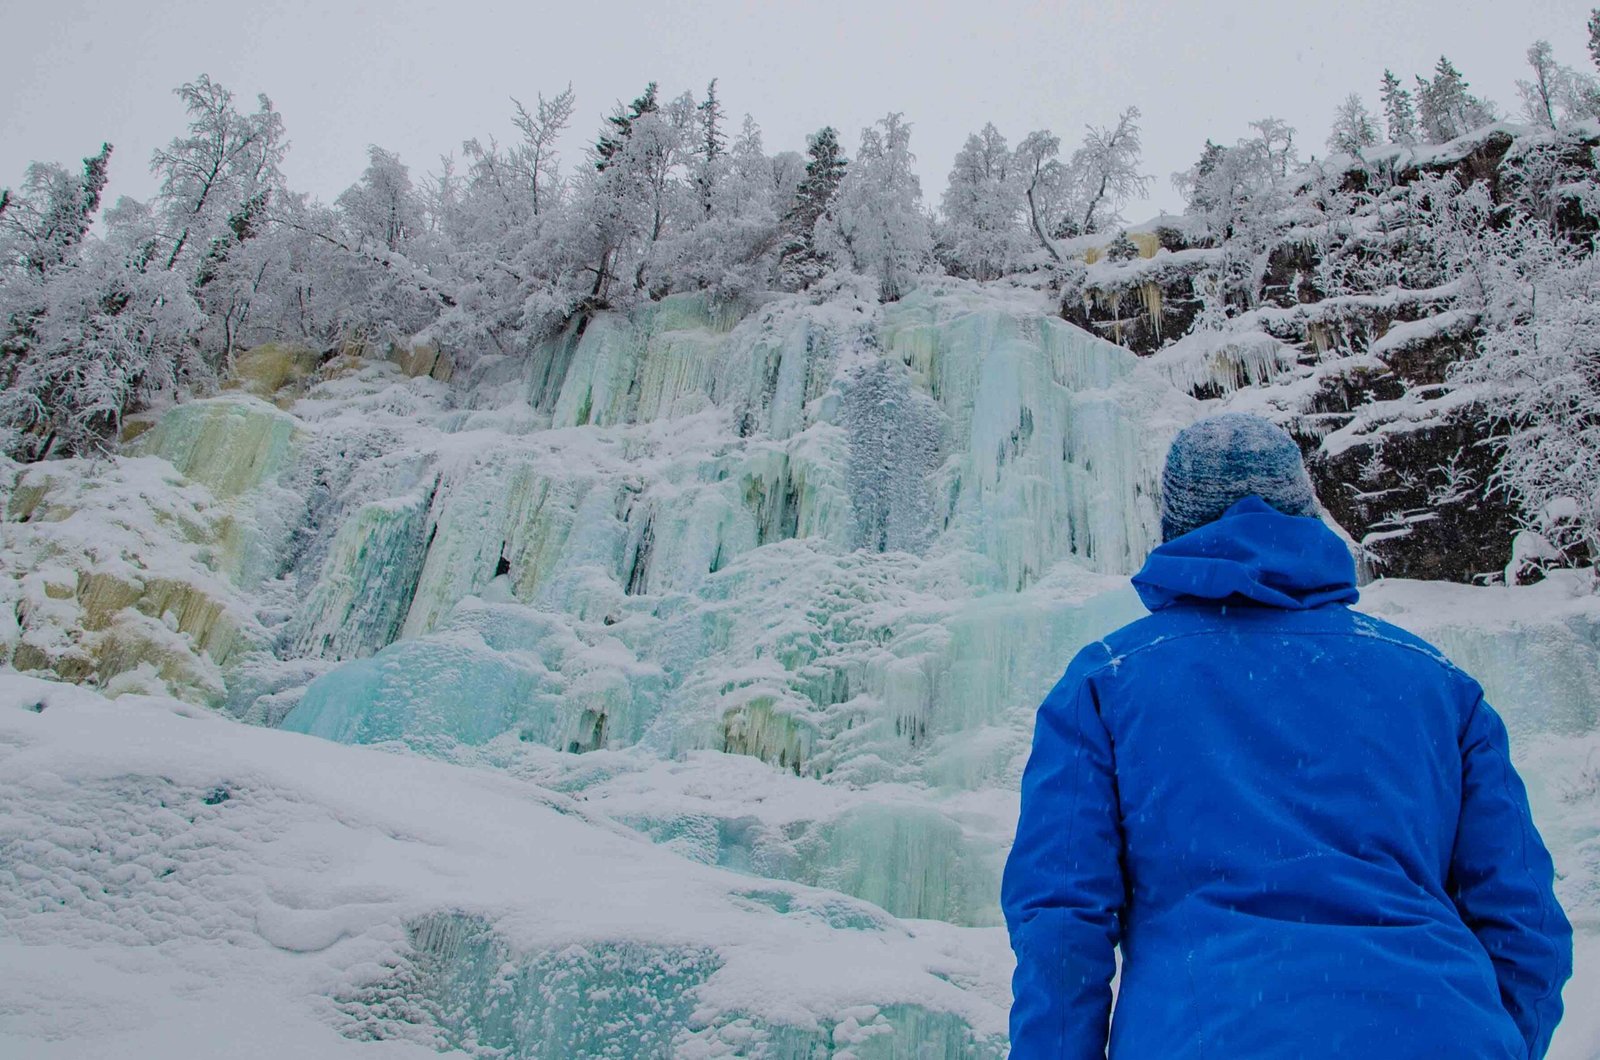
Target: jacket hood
1252	553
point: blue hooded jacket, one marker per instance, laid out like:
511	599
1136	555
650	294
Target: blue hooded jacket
1300	823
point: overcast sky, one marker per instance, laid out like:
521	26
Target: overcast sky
419	76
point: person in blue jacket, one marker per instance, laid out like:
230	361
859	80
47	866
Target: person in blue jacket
1300	823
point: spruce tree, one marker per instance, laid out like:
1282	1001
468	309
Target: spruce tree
712	140
1594	36
1445	109
712	145
622	121
1398	113
1201	198
800	261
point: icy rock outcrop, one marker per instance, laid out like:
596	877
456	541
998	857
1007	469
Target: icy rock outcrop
240	448
115	574
492	669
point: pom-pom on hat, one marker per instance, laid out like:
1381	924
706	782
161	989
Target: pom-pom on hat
1220	460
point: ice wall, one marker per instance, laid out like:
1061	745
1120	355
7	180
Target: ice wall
854	543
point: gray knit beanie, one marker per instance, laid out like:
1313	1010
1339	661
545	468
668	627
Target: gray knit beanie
1219	461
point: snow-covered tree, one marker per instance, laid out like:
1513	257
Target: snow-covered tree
635	190
802	262
381	208
878	223
1234	189
1399	116
788	170
1085	194
1044	180
43	226
1276	139
223	170
1445	109
1354	129
540	131
731	250
713	142
1537	374
1105	173
1240	198
982	232
1556	94
88	327
612	139
1539	94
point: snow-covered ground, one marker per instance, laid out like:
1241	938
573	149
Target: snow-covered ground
179	884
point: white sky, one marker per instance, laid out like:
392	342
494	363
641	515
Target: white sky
419	76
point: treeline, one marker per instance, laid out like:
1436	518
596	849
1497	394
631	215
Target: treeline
106	311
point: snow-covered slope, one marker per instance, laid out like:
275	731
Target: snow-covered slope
177	884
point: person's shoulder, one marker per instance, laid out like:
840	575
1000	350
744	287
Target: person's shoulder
1425	652
1110	651
1362	624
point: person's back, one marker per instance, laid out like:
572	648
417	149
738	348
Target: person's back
1300	822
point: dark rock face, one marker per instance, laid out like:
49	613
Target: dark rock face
1154	304
1416	501
1414	487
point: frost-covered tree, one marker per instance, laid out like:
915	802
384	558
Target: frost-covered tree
1122	248
1276	139
637	190
878	223
982	233
1084	194
1195	182
540	131
220	186
1104	172
45	224
41	230
1240	197
802	262
88	328
732	249
713	142
788	170
660	157
1594	37
1354	129
1556	94
1399	116
1445	109
381	207
1537	374
224	169
1539	94
1044	180
620	125
1235	189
